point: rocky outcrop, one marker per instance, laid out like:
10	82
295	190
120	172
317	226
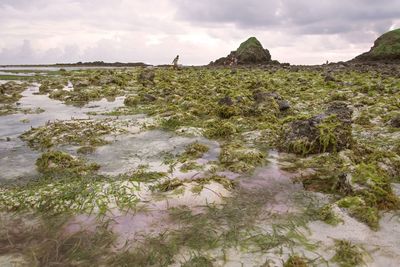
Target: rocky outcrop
386	49
250	52
327	132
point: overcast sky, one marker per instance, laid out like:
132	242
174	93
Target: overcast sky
155	31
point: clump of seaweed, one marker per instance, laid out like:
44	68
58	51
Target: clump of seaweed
190	166
194	151
132	101
57	162
10	92
295	261
86	133
327	215
348	254
198	261
224	130
172	184
376	188
374	194
47	86
237	158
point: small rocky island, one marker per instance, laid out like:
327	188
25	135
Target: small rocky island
250	52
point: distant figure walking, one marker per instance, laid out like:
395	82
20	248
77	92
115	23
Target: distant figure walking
175	62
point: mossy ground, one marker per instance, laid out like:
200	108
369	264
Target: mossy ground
358	179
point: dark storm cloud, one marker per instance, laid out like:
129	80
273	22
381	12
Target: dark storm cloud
304	17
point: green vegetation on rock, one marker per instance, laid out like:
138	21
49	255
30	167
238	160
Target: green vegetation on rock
386	48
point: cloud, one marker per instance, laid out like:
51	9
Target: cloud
154	31
305	17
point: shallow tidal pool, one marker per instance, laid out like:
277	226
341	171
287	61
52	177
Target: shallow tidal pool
200	167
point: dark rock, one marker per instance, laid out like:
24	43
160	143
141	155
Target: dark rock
343	184
149	98
341	110
226	101
259	97
283	105
146	77
395	122
329	78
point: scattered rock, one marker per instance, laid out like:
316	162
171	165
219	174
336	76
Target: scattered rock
329	78
283	105
146	77
260	96
395	122
341	110
149	98
226	101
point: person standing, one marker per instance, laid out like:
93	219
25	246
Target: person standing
175	62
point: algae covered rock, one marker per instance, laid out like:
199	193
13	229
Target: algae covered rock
283	105
250	52
146	77
10	92
386	48
132	100
328	132
395	121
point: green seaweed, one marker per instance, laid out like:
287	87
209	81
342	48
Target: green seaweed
327	215
348	254
57	162
295	261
